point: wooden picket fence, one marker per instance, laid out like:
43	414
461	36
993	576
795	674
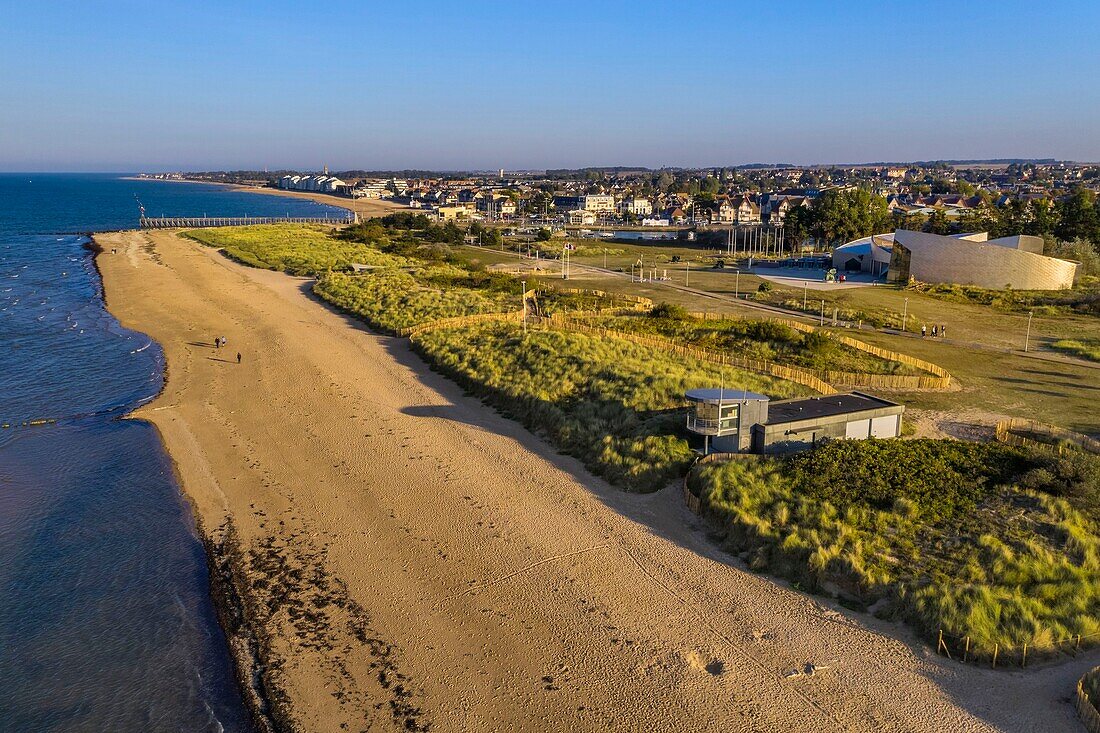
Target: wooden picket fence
794	374
1010	432
1088	695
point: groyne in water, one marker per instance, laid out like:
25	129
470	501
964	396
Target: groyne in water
193	222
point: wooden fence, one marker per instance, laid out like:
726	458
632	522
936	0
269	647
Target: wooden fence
966	648
1087	688
1010	432
794	374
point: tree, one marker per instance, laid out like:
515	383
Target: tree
1077	217
544	235
840	216
710	187
937	223
539	203
1079	250
796	225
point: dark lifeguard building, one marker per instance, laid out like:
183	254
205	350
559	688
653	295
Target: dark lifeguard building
732	421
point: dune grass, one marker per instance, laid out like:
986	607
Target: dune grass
980	540
1081	348
611	403
758	339
298	249
390	300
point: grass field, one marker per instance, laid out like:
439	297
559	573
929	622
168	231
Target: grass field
980	540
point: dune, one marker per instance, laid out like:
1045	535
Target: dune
405	558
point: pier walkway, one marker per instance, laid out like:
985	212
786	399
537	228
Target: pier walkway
196	222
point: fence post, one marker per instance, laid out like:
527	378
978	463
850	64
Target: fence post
966	649
996	649
1023	662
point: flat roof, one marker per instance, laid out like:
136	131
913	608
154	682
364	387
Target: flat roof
725	396
809	408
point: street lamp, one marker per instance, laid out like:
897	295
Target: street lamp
822	322
736	283
1027	336
904	313
524	284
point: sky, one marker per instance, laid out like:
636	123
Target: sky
202	85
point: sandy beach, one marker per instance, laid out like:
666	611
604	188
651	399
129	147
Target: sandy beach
407	559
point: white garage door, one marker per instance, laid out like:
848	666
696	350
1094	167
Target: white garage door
885	427
857	430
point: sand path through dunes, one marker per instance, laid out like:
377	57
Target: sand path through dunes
422	561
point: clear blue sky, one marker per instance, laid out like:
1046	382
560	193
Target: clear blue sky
93	85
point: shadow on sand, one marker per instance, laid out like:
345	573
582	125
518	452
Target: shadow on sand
664	514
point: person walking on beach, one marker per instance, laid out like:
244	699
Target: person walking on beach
923	331
943	332
217	343
238	357
933	332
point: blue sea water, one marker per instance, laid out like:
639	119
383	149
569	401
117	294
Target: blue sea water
106	622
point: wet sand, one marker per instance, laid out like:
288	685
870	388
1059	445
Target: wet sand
411	559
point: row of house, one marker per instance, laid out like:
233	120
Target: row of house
323	183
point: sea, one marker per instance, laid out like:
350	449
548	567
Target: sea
106	620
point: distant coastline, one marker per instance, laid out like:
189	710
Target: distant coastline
365	208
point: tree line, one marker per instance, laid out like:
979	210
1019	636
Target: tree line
839	216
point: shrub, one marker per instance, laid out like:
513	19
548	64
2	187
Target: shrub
670	311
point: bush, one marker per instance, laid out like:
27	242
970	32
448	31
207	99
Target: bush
669	311
980	540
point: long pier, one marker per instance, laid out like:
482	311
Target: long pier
197	222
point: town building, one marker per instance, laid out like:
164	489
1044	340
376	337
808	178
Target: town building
636	206
734	421
598	203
